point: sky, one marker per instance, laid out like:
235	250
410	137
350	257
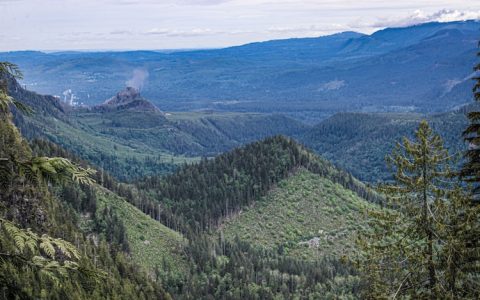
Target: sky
180	24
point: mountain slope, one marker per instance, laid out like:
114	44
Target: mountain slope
46	252
390	70
131	142
247	214
201	195
306	216
152	245
359	142
128	100
189	134
101	213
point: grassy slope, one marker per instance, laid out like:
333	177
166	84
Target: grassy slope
151	243
77	135
303	207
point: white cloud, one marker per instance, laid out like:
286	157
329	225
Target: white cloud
308	29
202	2
419	16
116	24
169	2
182	33
121	32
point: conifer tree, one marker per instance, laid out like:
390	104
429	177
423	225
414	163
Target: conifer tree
471	170
417	245
402	245
470	173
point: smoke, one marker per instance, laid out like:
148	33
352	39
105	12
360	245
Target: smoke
138	79
69	97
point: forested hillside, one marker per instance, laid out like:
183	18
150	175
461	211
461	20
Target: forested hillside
359	142
203	194
202	199
132	144
196	200
306	216
45	251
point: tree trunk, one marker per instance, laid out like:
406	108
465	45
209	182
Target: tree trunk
428	229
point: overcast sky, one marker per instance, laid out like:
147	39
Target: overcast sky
174	24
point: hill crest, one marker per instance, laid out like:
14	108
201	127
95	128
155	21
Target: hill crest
128	99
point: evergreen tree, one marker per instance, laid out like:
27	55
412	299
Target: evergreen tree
471	170
470	173
415	246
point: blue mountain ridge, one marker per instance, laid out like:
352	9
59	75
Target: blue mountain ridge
422	68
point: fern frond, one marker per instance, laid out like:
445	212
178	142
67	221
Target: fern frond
19	242
51	276
22	107
71	265
47	247
10	68
56	169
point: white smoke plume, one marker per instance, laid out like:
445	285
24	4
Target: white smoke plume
138	79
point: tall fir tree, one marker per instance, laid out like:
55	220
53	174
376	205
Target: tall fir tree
470	173
416	246
403	239
471	169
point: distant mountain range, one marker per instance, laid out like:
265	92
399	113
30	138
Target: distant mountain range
421	68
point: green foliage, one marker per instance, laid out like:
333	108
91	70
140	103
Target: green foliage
33	264
415	246
306	216
471	170
151	244
235	269
27	242
10	70
359	142
201	195
57	169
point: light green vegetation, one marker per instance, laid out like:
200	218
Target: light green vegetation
304	207
151	243
124	158
189	133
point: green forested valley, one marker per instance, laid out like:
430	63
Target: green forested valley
122	200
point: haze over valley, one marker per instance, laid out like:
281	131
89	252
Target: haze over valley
421	68
235	149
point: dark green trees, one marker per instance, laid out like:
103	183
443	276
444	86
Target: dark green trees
23	179
471	170
400	246
416	245
34	264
